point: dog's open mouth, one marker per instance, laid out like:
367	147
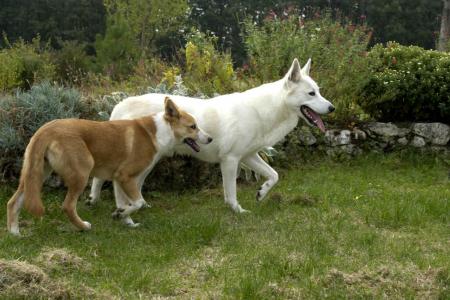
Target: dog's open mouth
191	143
312	117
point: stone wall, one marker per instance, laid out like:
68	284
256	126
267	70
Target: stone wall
379	137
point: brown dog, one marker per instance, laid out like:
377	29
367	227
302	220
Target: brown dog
124	151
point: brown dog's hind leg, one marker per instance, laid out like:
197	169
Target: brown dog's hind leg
73	162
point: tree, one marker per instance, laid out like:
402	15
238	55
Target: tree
445	27
149	20
53	20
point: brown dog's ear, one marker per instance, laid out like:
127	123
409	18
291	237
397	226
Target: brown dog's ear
171	109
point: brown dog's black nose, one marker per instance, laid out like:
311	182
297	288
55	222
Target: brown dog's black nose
331	108
210	140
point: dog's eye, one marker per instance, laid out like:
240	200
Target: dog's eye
193	126
312	93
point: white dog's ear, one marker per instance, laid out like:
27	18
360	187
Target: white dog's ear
171	109
306	67
294	73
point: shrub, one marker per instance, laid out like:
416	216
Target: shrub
72	62
407	83
117	51
21	115
207	70
337	51
22	65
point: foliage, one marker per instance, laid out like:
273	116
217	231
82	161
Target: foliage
407	84
72	62
207	70
158	25
409	22
23	64
21	115
337	52
117	51
175	87
149	20
53	20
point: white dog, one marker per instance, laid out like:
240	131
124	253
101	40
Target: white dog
241	123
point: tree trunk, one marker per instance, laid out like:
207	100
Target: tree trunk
445	27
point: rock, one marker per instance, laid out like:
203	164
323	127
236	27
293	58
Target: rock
382	129
436	133
306	137
440	150
403	141
418	142
385	131
358	134
337	137
349	149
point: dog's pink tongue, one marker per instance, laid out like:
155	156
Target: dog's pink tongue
317	120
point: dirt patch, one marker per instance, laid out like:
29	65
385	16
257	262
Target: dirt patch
22	280
59	258
192	275
276	197
389	280
280	291
14	272
304	200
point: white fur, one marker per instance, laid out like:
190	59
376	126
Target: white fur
241	124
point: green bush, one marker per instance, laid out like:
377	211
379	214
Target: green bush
407	83
21	115
117	51
22	65
72	62
207	70
337	52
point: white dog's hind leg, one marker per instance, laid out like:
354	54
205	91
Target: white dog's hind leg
96	188
229	168
257	164
141	180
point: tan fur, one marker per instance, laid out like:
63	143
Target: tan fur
75	149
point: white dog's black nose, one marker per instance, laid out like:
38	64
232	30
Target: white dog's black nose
331	108
210	139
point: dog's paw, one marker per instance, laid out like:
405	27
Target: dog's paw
15	232
240	210
134	225
118	213
259	195
89	201
146	205
86	225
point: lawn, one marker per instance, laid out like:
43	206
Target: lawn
374	227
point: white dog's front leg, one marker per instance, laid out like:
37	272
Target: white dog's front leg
257	164
229	168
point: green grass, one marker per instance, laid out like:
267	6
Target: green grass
374	227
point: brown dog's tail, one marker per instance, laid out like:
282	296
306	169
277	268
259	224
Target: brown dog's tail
32	176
